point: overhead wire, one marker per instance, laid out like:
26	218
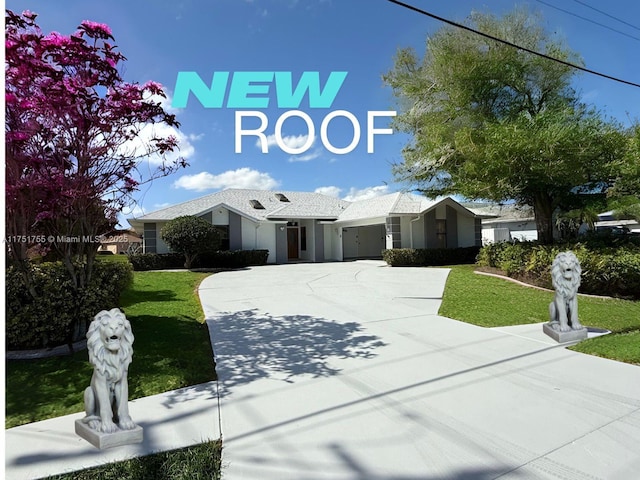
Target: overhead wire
607	15
573	14
505	42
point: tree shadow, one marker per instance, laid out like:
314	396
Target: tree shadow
250	345
130	298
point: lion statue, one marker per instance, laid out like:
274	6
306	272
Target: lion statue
565	276
109	341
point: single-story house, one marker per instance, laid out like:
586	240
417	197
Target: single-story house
504	223
607	220
305	226
120	241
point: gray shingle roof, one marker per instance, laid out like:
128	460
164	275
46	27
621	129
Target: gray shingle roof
300	205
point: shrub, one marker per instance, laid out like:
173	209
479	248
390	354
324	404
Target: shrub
156	261
191	236
425	257
219	259
232	259
60	314
606	270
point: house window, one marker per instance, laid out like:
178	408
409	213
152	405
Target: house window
256	204
303	238
149	238
441	233
223	230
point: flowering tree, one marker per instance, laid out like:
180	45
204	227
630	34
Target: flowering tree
73	140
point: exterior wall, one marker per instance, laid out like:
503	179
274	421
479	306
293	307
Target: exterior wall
256	236
308	254
281	244
416	232
333	242
431	239
235	231
452	227
220	216
466	231
318	241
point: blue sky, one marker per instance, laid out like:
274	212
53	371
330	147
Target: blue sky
164	37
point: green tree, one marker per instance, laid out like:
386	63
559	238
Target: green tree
625	195
190	236
490	121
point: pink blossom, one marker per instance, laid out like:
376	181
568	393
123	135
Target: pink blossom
17	136
153	87
100	30
29	14
56	40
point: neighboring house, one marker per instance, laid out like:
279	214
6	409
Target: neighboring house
503	223
606	220
120	241
304	226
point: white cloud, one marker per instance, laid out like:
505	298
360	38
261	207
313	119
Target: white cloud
330	191
139	146
306	157
160	206
291	141
366	193
130	211
240	178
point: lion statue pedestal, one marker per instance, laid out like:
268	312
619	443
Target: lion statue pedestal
106	400
564	325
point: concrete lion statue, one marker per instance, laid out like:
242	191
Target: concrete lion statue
565	276
109	342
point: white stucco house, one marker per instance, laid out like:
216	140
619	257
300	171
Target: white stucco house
306	226
504	223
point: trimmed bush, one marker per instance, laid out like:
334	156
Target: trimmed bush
156	261
60	314
605	270
219	259
232	259
426	257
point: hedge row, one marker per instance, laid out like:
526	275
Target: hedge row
60	314
605	271
425	257
219	259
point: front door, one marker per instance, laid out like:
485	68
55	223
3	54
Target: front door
292	243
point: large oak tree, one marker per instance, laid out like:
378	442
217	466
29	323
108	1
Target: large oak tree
490	121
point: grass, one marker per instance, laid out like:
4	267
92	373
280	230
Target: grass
200	462
171	350
494	302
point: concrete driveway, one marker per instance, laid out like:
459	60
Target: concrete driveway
345	371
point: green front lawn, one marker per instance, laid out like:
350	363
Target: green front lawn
494	302
201	461
171	350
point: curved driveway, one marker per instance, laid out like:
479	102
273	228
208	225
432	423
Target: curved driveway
345	371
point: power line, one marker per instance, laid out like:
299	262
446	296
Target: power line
606	14
588	20
505	42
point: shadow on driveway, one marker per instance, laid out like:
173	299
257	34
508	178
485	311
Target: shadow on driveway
253	345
